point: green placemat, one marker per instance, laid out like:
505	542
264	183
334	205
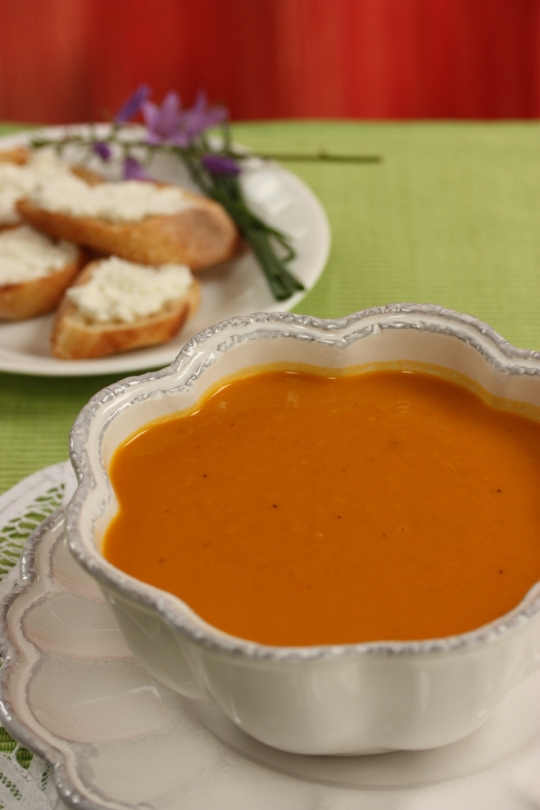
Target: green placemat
36	414
449	216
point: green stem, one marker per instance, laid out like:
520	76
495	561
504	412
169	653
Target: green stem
263	240
272	248
318	157
282	282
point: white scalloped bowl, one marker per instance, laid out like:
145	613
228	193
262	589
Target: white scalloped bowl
343	699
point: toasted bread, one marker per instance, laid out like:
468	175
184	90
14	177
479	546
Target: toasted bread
18	155
74	337
200	235
36	296
88	175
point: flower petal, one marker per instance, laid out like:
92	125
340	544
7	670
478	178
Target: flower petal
131	107
180	138
102	149
220	164
170	106
133	170
200	117
151	114
170	116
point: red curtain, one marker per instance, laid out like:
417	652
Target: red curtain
76	60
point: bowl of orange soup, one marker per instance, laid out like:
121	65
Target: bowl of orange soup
330	529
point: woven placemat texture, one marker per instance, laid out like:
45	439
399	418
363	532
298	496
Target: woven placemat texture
450	215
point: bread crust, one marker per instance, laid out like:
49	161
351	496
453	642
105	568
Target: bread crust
88	175
74	338
27	299
200	236
18	155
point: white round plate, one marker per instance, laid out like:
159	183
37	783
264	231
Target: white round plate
72	692
237	287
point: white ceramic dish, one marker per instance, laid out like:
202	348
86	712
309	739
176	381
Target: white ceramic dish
343	699
72	692
235	288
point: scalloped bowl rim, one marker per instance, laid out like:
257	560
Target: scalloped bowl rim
498	353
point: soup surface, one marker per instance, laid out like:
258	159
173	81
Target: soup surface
291	508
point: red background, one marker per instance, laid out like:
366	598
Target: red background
76	60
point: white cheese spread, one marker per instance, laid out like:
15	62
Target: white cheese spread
121	291
26	254
17	182
127	201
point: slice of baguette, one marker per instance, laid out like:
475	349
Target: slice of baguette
76	338
18	155
27	299
200	236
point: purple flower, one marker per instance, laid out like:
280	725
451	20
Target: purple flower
133	170
220	164
164	123
169	124
133	105
200	117
102	149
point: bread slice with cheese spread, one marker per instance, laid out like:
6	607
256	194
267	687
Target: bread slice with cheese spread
22	170
34	272
199	233
115	306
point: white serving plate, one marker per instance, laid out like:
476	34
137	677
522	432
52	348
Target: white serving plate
237	287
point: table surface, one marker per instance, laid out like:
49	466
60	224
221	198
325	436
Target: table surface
450	215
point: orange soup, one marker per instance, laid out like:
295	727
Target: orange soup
292	508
